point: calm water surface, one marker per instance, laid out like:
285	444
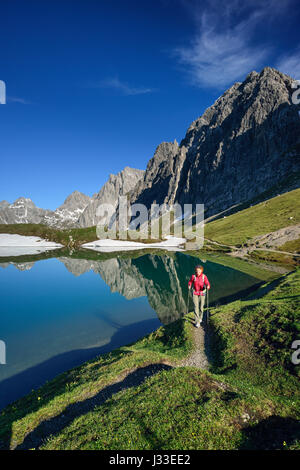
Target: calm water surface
56	313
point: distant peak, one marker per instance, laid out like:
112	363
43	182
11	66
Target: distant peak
271	72
75	194
129	169
126	170
267	70
252	75
23	199
75	199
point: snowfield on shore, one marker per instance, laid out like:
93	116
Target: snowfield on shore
17	245
170	244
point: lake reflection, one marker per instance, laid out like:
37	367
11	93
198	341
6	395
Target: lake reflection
56	313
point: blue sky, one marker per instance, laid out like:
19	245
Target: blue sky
95	85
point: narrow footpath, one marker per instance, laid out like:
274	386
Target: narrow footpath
199	356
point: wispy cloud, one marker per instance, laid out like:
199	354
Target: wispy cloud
290	64
223	49
123	87
14	99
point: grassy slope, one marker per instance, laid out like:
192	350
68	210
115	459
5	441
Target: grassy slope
292	246
288	261
168	344
260	219
250	399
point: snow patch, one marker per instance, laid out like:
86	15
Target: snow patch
171	244
16	245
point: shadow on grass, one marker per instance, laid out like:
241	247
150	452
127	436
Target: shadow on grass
215	346
265	290
54	425
37	375
274	432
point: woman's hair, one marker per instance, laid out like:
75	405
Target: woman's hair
199	267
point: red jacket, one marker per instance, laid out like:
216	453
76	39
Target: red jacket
199	283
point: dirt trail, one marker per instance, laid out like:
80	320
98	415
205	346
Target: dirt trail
199	357
268	242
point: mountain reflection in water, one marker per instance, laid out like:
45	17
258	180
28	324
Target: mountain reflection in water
162	278
53	319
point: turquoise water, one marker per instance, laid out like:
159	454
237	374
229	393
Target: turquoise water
57	313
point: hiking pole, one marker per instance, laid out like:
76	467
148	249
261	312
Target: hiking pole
188	301
207	308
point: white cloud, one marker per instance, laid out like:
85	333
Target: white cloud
14	99
222	50
123	87
290	64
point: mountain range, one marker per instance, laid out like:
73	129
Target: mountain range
78	210
246	143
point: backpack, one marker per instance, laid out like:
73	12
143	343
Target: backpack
204	286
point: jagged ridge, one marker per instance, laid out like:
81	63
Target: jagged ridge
240	147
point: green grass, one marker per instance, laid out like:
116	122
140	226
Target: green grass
271	257
169	344
256	334
268	216
250	399
173	410
292	246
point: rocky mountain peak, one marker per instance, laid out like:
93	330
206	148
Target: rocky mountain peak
76	200
22	210
117	185
242	145
23	201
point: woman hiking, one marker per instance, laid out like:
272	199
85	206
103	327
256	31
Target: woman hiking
200	283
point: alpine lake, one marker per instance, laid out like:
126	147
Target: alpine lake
60	309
